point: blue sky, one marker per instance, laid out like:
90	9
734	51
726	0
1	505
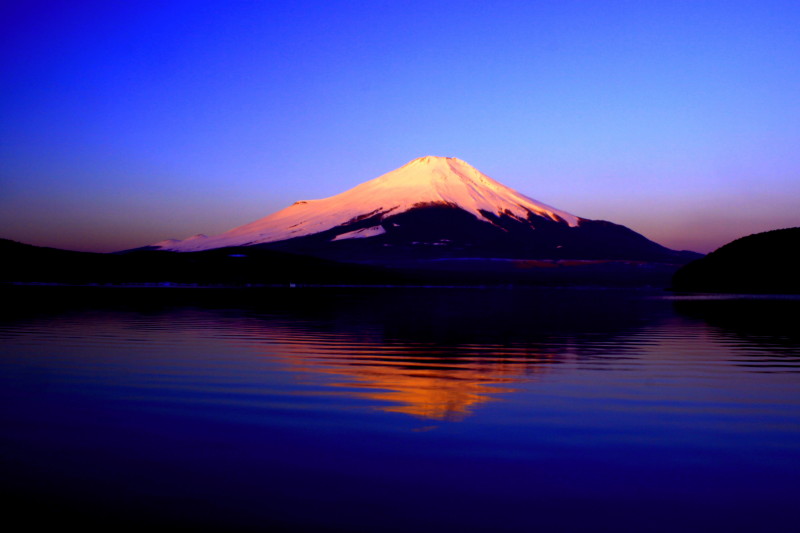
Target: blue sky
122	125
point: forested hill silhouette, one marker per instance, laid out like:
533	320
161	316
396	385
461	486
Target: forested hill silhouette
256	266
766	262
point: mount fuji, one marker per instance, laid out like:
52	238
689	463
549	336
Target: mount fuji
434	207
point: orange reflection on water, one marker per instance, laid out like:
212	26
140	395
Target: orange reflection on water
437	389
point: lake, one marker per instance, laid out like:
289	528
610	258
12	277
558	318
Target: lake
400	410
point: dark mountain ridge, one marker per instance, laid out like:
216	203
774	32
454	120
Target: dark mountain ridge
255	266
223	266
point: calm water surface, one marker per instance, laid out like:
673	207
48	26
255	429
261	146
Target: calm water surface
401	410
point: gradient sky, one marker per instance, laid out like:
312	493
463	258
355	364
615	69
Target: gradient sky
123	124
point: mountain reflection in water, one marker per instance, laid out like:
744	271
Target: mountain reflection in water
423	354
419	380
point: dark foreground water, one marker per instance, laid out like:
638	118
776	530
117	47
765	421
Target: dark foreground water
400	410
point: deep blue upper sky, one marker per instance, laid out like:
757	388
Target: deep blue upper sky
122	125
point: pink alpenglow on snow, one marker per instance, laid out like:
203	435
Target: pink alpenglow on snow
426	180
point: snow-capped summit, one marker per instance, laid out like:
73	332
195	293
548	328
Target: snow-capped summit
453	181
426	181
433	208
